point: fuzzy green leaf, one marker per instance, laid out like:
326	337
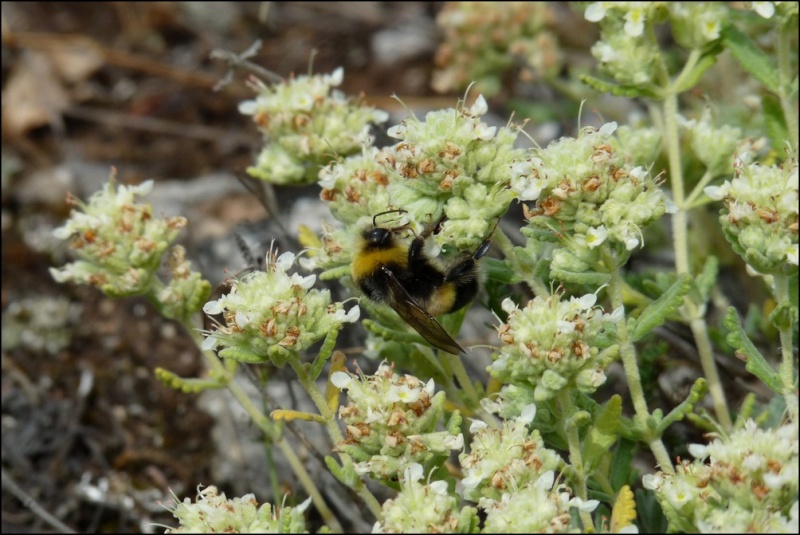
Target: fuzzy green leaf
699	390
755	361
618	90
708	277
774	121
783	316
592	278
751	58
691	78
603	433
657	312
622	463
347	477
242	355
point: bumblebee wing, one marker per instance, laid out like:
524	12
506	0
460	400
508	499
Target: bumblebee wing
416	316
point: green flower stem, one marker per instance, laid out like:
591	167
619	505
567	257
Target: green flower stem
698	190
629	362
505	245
264	423
272	466
502	242
662	455
680	232
568	409
470	394
706	352
679	219
781	287
688	67
784	50
318	397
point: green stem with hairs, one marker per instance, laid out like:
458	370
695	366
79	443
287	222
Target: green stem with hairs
318	397
569	411
627	353
784	51
786	370
505	245
470	395
680	232
266	425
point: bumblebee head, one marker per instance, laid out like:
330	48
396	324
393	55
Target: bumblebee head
382	237
378	237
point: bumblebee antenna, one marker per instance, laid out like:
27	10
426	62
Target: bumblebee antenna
396	210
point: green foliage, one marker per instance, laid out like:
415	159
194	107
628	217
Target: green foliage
751	58
602	433
619	90
755	361
657	312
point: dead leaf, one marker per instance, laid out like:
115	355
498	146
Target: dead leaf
34	95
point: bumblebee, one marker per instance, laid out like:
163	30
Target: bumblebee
412	284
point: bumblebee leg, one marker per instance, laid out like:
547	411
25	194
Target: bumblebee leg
433	228
467	266
482	249
415	250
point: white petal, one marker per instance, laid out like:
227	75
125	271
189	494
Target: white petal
508	305
607	129
477	425
413	472
595	12
479	107
341	380
586	506
715	192
652	481
397	131
528	414
352	315
248	107
213	307
285	261
546	480
439	487
698	451
337	76
210	343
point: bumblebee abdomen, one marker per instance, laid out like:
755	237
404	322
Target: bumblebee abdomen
442	300
464	289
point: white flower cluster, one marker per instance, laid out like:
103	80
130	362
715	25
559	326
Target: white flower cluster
760	218
391	420
118	242
550	345
746	482
307	124
269	309
214	513
424	507
501	460
586	191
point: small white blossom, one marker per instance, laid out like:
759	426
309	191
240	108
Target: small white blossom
595	236
341	380
764	9
634	22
